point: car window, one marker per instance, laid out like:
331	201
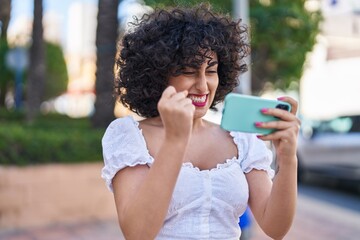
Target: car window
339	125
355	124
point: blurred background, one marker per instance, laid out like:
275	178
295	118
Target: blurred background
56	86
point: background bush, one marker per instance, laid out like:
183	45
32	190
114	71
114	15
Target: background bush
282	33
6	76
56	71
51	139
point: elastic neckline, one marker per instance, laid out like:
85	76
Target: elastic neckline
228	162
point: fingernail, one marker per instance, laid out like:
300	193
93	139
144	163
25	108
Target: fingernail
264	110
258	124
258	136
280	98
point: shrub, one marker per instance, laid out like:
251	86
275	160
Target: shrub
51	139
6	75
56	70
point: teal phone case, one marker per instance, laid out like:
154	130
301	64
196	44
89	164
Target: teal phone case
240	113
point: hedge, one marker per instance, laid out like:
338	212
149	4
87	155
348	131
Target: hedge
51	139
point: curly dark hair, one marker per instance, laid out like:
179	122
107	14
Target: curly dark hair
163	42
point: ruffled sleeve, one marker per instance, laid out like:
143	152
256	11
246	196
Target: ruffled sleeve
123	146
253	153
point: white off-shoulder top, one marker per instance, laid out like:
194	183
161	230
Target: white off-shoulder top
206	204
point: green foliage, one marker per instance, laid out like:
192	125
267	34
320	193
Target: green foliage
223	6
50	139
5	74
282	32
56	72
57	75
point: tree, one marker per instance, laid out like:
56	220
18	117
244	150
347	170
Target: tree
5	74
56	71
36	80
282	32
4	16
106	37
219	5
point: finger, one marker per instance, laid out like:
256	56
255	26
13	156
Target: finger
185	102
179	96
279	113
279	125
273	136
294	104
169	92
287	133
190	106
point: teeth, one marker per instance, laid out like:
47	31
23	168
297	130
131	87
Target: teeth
198	99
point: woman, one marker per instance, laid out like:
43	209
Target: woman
175	175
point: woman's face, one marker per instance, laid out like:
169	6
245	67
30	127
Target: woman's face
201	84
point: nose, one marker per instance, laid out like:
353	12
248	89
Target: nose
201	82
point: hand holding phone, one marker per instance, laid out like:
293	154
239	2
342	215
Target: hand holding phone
240	113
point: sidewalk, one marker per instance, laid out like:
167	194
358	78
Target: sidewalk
94	230
317	218
315	229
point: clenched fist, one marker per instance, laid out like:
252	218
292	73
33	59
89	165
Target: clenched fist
177	113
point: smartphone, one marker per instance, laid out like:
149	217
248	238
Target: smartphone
240	113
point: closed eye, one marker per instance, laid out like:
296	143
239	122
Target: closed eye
188	72
212	67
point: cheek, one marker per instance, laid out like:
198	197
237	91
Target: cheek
181	84
214	83
180	87
175	82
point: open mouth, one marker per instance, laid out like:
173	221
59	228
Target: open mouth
198	100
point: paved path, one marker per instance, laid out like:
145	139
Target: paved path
94	230
322	214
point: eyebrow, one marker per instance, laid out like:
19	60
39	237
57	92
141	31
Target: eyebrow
212	64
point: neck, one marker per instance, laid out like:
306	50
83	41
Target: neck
198	123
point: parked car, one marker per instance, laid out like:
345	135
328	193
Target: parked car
330	148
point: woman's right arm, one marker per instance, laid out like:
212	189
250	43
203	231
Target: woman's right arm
142	194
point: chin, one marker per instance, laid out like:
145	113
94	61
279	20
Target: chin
199	113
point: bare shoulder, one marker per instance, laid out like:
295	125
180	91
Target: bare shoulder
215	128
151	123
153	132
218	136
151	126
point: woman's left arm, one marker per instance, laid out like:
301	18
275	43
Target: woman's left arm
273	203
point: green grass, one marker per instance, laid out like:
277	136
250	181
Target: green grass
50	139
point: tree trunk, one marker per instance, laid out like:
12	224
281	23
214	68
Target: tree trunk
4	16
106	37
259	70
4	23
36	81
